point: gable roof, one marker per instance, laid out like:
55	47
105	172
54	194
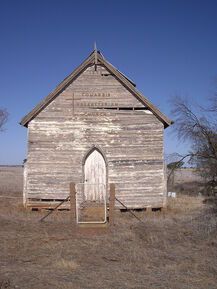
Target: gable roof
94	57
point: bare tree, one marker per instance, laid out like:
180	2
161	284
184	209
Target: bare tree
199	127
3	118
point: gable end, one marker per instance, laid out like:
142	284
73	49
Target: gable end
93	57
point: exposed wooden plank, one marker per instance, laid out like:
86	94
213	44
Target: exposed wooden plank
111	204
72	203
95	177
89	62
61	135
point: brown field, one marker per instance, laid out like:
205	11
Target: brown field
172	249
11	179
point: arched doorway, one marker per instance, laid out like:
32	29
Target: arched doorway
95	176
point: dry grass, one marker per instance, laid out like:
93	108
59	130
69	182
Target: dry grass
91	213
11	179
68	265
172	249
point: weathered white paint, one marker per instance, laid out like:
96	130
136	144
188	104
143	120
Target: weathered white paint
95	177
62	133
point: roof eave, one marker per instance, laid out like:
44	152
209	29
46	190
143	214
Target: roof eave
26	119
163	118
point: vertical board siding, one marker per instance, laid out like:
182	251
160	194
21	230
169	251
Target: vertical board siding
95	177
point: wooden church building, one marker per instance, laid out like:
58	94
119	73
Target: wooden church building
95	128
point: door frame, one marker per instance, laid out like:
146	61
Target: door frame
93	147
89	151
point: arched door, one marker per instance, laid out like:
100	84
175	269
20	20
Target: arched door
95	176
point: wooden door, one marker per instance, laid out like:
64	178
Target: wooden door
95	177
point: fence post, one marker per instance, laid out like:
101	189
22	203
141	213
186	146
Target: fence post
165	185
111	204
72	204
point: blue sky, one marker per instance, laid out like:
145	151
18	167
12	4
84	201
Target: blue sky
166	47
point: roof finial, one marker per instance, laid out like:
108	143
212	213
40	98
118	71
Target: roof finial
95	48
95	55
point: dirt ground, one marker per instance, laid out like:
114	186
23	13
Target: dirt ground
172	249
